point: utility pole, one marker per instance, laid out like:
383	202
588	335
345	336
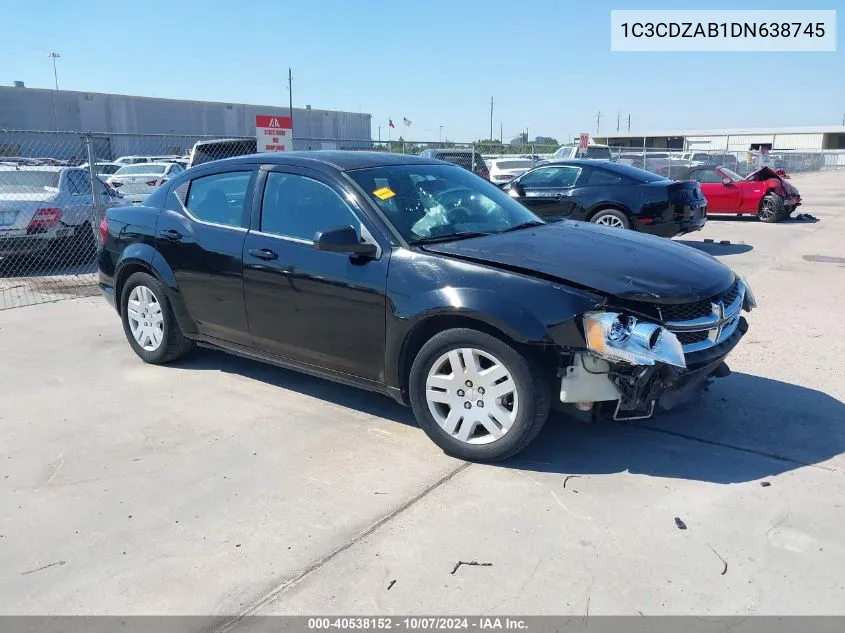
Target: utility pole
618	114
54	57
629	122
441	133
491	118
379	133
598	122
290	98
501	133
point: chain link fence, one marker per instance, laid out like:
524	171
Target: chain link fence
55	187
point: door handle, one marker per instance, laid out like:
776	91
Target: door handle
263	253
171	234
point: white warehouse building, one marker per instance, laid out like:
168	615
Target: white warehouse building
806	139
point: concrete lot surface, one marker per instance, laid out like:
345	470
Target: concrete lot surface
222	486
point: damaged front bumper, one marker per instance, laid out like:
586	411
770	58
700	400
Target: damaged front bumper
635	392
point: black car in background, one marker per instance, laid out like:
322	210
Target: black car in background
611	194
417	279
466	158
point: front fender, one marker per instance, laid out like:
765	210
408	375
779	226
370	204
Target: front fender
543	313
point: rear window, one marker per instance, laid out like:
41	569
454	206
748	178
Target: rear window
464	159
106	168
514	164
14	181
598	153
141	168
207	152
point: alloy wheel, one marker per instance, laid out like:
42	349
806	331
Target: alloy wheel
472	395
146	322
610	220
767	209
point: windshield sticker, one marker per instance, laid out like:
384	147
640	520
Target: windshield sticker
384	193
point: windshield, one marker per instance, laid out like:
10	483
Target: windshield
430	201
142	168
14	181
213	150
730	174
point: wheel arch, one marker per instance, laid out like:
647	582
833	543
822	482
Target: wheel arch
430	325
603	206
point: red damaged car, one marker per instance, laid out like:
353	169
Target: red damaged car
766	193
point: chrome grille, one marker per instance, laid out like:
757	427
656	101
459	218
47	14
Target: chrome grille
703	324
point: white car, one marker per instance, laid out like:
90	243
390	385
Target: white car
504	170
136	182
48	212
134	160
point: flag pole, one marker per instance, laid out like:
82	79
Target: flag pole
388	134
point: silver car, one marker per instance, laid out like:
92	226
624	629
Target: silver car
136	182
49	212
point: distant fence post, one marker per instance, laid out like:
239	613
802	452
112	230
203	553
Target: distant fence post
88	139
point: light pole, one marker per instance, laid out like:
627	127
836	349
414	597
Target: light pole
54	57
441	133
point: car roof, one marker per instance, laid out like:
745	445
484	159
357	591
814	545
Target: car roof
9	167
576	162
342	160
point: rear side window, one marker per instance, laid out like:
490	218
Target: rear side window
299	207
600	177
601	153
219	198
78	182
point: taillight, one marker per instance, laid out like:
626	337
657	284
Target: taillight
104	231
484	173
45	219
116	184
156	183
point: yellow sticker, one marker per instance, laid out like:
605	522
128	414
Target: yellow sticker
384	193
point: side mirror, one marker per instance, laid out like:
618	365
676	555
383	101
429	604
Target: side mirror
727	181
344	239
516	190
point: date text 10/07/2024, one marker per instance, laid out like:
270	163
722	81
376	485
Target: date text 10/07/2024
418	623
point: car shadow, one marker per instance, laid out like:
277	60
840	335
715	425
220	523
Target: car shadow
743	428
717	248
359	399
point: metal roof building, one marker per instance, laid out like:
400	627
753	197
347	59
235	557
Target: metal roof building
815	138
129	121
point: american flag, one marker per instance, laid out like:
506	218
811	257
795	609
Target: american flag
406	121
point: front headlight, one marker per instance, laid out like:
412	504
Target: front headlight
750	301
619	338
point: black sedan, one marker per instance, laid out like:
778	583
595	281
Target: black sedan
612	194
416	278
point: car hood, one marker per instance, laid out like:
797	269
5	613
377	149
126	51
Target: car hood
622	263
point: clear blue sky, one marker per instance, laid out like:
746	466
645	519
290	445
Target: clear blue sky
547	62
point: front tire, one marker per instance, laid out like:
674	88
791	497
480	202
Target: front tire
477	397
771	208
611	218
148	321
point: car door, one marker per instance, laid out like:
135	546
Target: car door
721	198
200	234
321	308
549	191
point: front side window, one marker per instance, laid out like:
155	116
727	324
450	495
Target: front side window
219	198
553	177
425	202
707	176
300	207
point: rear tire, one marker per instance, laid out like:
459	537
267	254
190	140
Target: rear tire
771	208
489	405
149	323
611	218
